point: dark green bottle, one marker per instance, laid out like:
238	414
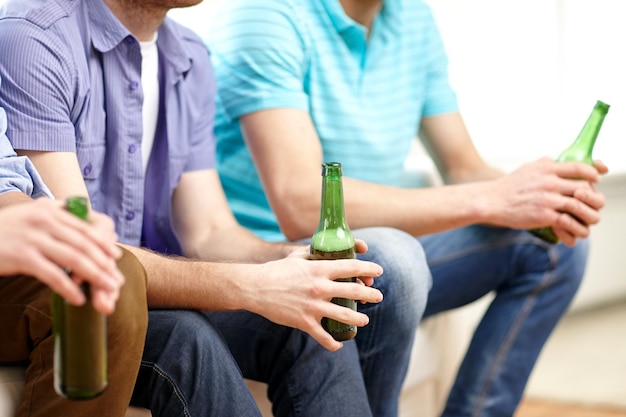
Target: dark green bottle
333	240
80	340
579	151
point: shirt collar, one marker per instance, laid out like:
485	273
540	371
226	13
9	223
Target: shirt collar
107	32
338	16
389	16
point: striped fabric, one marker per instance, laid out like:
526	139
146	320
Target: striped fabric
365	96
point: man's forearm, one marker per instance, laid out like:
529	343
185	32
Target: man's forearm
237	244
178	282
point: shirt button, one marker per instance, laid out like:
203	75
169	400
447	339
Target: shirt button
130	215
132	148
133	85
87	169
129	39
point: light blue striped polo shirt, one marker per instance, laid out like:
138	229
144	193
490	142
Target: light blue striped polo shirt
365	96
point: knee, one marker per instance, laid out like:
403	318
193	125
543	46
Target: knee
406	273
571	262
129	322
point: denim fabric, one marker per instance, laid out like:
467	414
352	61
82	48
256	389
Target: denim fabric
193	362
383	346
304	379
385	343
533	283
187	370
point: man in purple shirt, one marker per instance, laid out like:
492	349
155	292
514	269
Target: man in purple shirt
108	73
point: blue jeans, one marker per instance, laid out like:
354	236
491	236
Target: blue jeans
187	370
385	343
533	282
193	362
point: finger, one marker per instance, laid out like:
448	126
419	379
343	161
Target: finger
591	197
577	170
109	237
579	212
345	315
99	239
571	227
360	246
47	242
322	337
566	238
55	278
84	266
99	236
104	301
354	291
347	268
84	257
367	281
599	165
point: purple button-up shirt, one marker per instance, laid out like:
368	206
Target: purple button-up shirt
72	83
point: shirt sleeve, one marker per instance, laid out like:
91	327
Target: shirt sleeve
259	57
439	97
37	87
17	173
202	113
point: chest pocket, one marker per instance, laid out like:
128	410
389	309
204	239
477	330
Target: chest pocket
91	152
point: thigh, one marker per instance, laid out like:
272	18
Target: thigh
25	315
303	377
470	262
256	343
187	369
25	311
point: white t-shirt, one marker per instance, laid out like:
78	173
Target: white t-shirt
150	85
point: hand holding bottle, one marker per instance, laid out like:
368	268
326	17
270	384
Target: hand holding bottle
360	246
579	151
561	234
297	292
80	335
545	192
333	240
39	238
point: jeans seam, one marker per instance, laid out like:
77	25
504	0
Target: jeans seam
512	334
501	243
161	373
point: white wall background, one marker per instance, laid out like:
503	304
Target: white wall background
527	72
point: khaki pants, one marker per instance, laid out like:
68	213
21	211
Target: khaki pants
26	337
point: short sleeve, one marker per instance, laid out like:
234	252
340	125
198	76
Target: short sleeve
438	96
37	87
201	111
259	57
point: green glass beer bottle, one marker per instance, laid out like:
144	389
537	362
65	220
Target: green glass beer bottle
80	349
333	240
579	151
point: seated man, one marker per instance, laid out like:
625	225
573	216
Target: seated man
38	238
127	97
306	81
